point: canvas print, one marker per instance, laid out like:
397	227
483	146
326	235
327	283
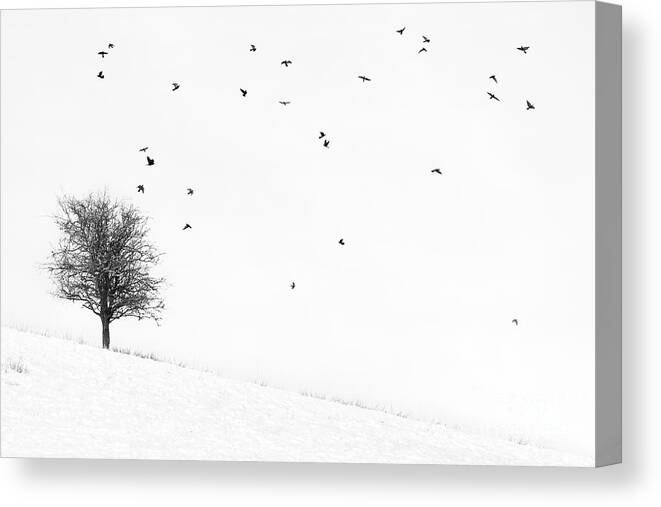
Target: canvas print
351	233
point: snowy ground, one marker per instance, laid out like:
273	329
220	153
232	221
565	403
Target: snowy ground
64	399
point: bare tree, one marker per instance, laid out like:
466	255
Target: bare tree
104	261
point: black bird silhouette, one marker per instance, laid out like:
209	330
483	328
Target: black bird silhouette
286	63
293	285
524	49
150	161
187	226
515	322
492	96
494	78
175	86
438	171
102	53
284	102
425	39
253	48
111	45
243	92
326	143
401	31
144	149
189	191
341	242
321	134
422	50
364	78
100	75
141	188
529	105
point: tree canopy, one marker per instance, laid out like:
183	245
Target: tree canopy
104	260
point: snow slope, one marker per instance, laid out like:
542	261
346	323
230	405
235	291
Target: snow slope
74	400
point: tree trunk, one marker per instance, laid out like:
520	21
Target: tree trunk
105	324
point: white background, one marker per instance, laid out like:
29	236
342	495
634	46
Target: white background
109	483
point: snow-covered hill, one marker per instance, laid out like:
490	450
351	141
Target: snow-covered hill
64	399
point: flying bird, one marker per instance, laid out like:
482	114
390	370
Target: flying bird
189	191
252	48
326	143
425	39
321	134
111	45
524	49
401	31
364	78
150	161
422	50
284	102
100	75
492	96
341	242
286	63
102	53
175	86
144	149
437	171
243	92
515	322
187	226
141	188
293	285
494	78
529	106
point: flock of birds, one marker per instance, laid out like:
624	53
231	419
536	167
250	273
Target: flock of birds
425	40
492	96
322	135
141	187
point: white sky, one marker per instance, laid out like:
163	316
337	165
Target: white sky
415	311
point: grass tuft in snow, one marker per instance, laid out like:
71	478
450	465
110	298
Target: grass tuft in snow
137	353
519	440
355	403
16	365
160	359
